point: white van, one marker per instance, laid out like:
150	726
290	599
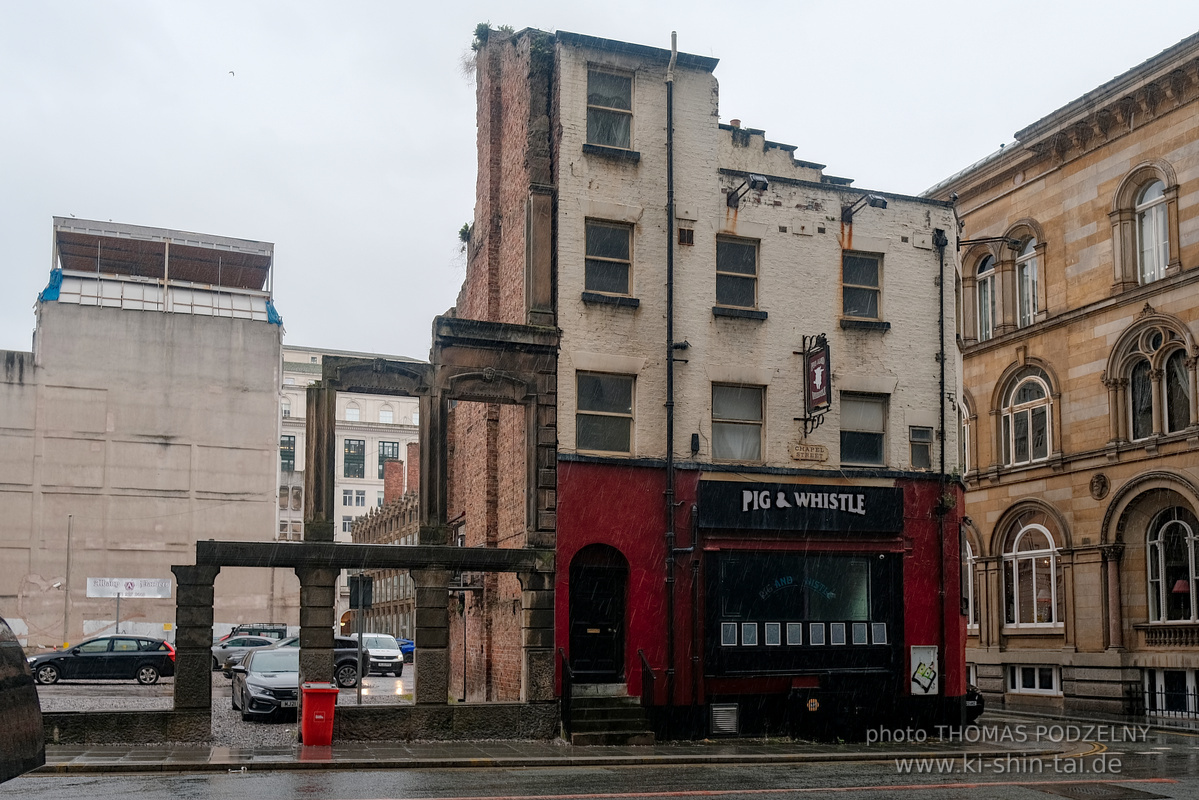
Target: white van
385	653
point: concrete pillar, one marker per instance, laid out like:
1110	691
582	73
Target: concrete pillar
432	656
537	636
193	637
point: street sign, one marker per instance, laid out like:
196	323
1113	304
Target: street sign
129	587
361	591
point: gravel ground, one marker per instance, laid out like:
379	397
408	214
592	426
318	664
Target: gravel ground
228	730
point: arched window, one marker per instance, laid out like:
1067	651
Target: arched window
353	413
1032	590
1153	241
1172	568
1027	418
971	603
1027	284
386	415
1140	404
985	289
1177	392
286	406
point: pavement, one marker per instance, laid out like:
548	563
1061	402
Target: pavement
65	759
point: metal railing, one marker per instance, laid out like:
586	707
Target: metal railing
647	681
568	679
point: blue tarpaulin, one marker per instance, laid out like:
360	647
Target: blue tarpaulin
52	289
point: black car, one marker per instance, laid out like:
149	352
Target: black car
267	680
345	659
115	657
975	703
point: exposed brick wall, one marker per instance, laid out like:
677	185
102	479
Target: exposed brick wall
412	478
393	479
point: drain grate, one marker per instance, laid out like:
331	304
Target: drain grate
1094	791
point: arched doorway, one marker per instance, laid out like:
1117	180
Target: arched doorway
598	585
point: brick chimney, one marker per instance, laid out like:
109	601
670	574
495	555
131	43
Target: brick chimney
413	467
393	480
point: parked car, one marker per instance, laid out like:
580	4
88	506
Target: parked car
231	651
267	681
113	657
386	654
345	658
271	630
408	648
975	703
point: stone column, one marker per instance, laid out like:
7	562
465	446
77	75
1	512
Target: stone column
320	464
434	469
193	637
432	656
537	636
1155	379
1113	408
1115	617
318	587
1192	364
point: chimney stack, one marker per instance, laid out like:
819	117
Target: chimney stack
413	467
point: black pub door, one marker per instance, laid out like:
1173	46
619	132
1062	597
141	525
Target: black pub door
598	578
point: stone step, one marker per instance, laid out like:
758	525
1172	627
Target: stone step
599	690
592	739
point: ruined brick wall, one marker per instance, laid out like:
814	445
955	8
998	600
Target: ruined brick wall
488	490
412	476
393	479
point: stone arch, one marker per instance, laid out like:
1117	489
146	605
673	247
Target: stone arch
1125	346
1124	503
1138	176
1024	228
1059	528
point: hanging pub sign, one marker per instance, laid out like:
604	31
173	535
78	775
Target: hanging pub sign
817	391
800	507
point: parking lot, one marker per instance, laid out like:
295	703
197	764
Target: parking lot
228	729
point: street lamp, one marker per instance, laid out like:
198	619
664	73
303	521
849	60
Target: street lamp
872	200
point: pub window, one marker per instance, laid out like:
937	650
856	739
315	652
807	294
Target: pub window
736	272
920	441
863	428
609	108
604	420
861	285
609	258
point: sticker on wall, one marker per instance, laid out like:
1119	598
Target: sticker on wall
924	670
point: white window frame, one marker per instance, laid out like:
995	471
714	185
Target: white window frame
915	440
1008	421
347	498
971	607
985	291
880	399
876	288
1027	285
1155	556
759	423
1154	708
1012	556
1015	679
386	416
1151	215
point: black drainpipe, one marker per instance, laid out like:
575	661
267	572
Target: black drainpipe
670	369
940	241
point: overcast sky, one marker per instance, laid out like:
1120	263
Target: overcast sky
344	132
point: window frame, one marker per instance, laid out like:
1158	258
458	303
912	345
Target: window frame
984	285
1156	213
877	289
384	449
594	69
759	424
287	453
1015	686
880	399
914	442
1012	556
756	245
971	601
1155	556
588	224
1027	292
631	416
1011	410
356	458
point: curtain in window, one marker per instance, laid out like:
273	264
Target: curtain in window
1178	393
1141	401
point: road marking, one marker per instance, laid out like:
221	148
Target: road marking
805	790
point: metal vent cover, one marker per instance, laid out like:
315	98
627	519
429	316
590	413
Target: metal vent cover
725	718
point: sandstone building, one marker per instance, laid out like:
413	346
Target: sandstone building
1080	307
720	552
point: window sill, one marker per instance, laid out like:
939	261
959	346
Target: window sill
610	300
1033	629
865	325
741	313
614	153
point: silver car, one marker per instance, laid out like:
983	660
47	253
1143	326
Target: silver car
231	651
